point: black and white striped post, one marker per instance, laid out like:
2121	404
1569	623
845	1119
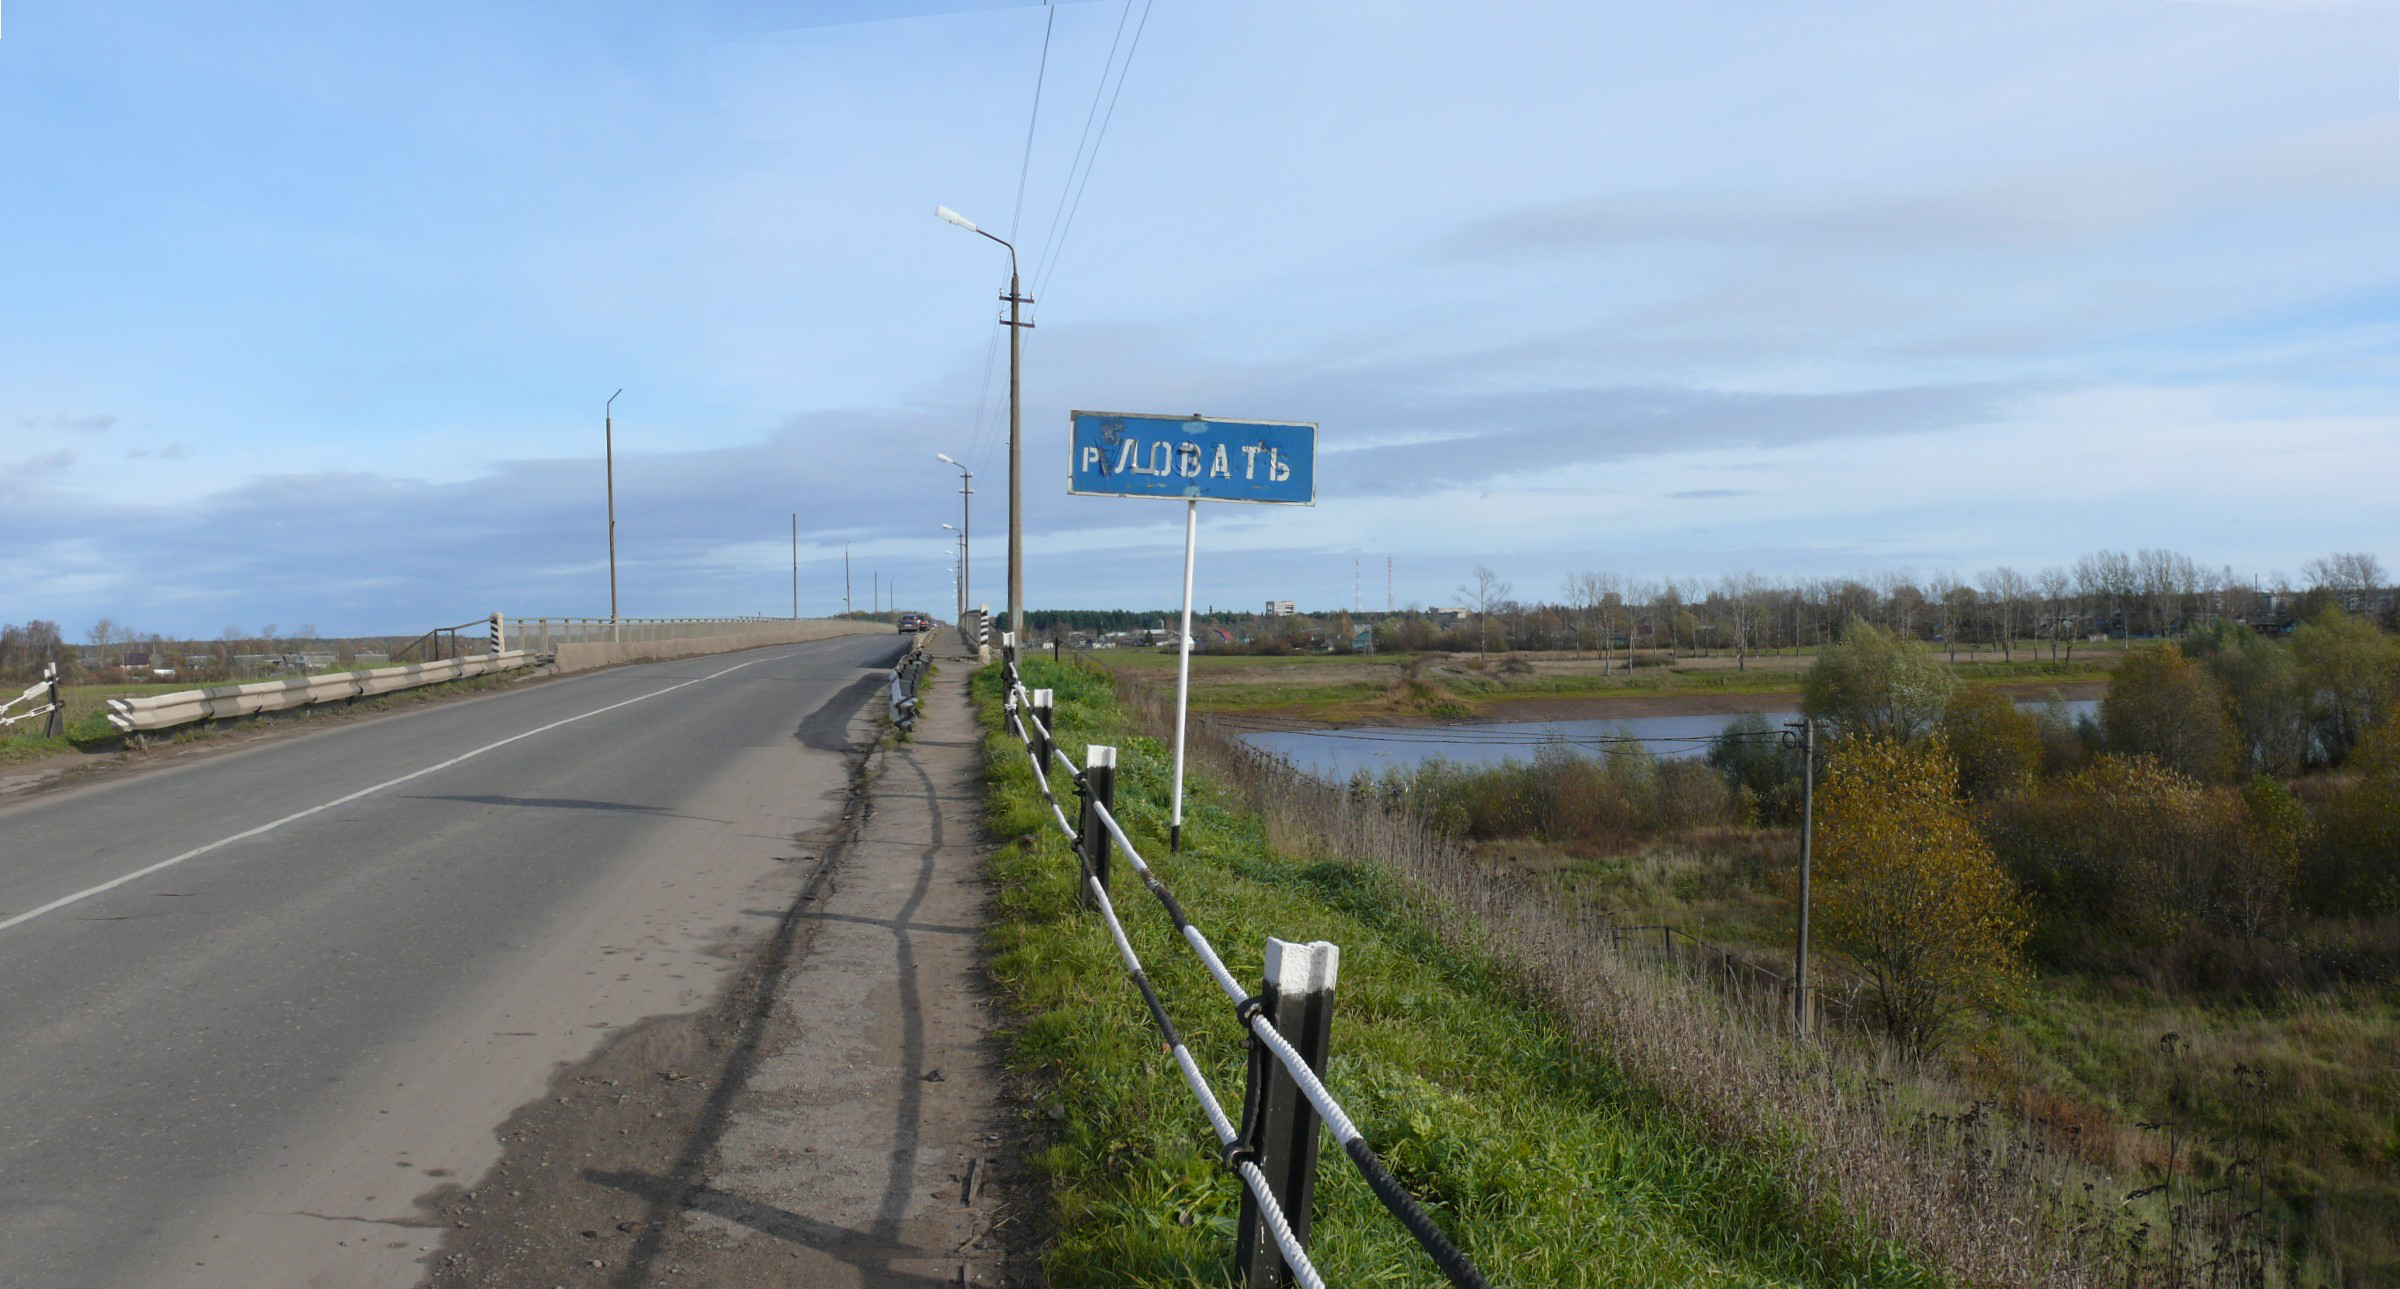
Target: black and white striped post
54	725
498	632
1099	794
1278	1123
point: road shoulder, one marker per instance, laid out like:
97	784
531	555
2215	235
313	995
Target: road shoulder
836	1119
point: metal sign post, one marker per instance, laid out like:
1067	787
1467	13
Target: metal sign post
1192	459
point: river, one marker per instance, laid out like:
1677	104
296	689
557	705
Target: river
1341	753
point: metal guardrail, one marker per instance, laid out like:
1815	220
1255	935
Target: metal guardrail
907	675
144	714
52	706
545	635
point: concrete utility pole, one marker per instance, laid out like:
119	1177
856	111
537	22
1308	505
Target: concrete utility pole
608	443
1016	323
845	579
795	566
1808	836
966	529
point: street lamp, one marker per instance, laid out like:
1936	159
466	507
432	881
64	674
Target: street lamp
1016	458
966	494
608	441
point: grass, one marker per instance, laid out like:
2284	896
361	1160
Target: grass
1332	688
1544	1160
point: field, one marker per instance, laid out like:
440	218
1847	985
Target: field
1411	688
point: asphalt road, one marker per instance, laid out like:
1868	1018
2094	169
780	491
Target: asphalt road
332	964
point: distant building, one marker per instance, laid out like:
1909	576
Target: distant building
1279	608
1449	616
1363	640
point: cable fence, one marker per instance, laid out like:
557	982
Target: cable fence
1273	1147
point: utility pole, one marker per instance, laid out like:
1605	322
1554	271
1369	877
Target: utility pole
1808	835
608	443
1016	323
1016	454
1387	584
795	566
845	579
966	530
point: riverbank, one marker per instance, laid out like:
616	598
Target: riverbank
1439	689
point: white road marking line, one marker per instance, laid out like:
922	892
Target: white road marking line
197	851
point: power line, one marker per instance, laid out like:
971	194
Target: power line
1077	205
1066	189
1025	167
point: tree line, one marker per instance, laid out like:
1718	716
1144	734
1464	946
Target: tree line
2045	612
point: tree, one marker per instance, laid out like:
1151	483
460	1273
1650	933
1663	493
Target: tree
2261	680
1998	747
2104	579
1910	892
2055	584
2347	572
2162	704
2350	671
1744	596
1485	592
1873	682
2006	589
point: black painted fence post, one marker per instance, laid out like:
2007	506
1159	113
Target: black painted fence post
1281	1124
1099	793
55	724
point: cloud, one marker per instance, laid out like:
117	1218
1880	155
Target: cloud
2032	209
171	452
90	423
1709	494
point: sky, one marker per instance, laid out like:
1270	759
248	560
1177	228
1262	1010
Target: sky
309	314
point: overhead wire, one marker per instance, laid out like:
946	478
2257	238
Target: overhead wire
980	430
1058	248
1092	114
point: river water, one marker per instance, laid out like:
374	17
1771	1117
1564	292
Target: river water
1341	753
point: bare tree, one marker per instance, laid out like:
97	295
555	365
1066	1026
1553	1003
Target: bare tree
2005	591
2346	572
2054	584
1485	592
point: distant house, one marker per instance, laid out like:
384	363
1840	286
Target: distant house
1362	640
1449	616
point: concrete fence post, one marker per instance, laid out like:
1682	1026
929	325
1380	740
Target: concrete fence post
1099	793
498	644
1277	1120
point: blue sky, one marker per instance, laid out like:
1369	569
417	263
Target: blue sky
307	314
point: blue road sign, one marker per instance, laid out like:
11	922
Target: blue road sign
1114	454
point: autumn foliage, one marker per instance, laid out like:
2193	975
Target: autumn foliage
1910	892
